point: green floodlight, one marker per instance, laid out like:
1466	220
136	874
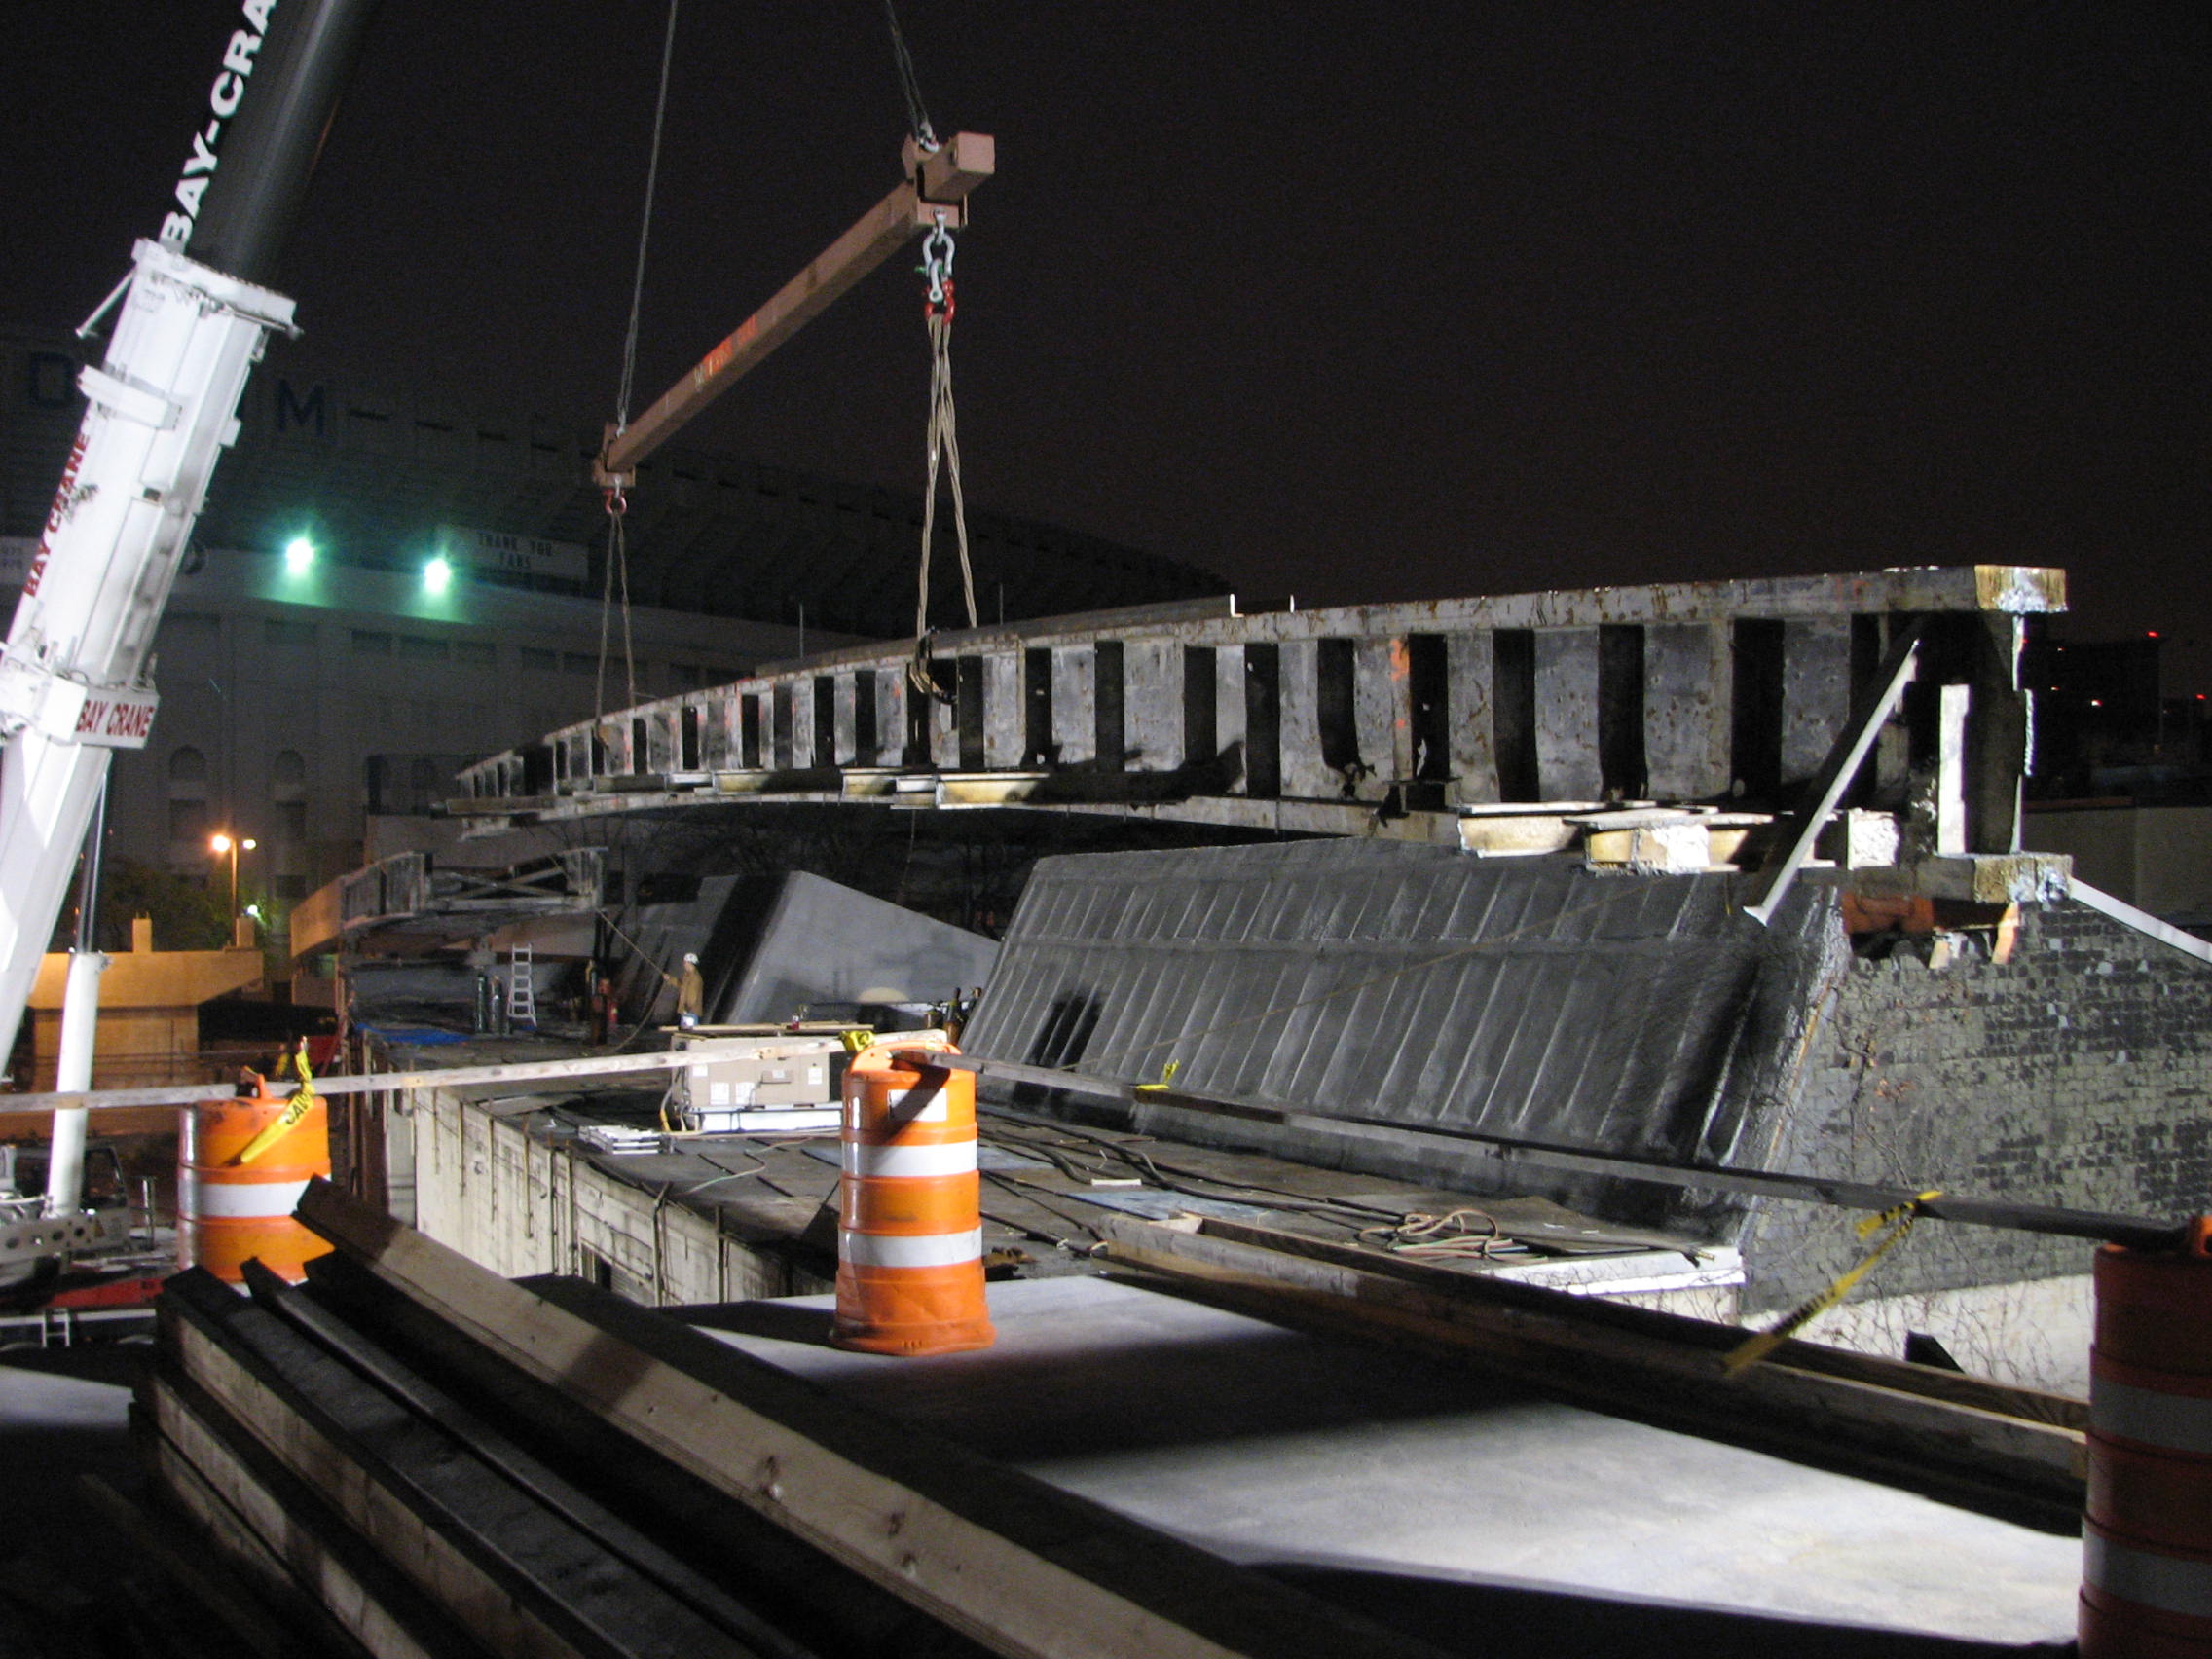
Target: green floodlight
299	556
437	575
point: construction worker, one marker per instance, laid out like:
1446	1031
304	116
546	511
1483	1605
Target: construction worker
603	1009
690	992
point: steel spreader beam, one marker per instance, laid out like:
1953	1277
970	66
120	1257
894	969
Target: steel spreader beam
938	182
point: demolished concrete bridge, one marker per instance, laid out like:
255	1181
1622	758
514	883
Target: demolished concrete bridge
1480	722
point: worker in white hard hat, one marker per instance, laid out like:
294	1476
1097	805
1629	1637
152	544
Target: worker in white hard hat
690	991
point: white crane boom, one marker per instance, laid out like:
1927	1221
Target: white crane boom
75	675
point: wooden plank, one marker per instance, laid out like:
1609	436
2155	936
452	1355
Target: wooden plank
209	1582
422	1554
1024	1569
268	1518
836	1609
2029	1472
527	1473
1599	1317
522	1577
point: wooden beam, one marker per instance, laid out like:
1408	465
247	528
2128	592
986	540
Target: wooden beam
1030	1571
938	186
267	1521
1599	1314
2019	1467
542	1483
186	1561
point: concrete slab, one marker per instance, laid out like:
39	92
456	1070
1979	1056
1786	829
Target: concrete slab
1326	1461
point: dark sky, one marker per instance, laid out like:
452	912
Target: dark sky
1352	301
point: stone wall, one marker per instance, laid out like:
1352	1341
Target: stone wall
512	1199
2078	1074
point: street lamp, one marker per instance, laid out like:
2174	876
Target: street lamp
219	844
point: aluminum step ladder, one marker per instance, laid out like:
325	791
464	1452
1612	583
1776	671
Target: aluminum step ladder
522	988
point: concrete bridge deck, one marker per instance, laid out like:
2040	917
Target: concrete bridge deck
1402	720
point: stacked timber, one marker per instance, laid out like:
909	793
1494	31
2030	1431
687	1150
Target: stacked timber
410	1455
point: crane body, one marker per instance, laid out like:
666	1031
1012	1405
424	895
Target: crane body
189	322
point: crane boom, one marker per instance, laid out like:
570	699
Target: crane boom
76	670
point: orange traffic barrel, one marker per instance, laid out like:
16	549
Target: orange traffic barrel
910	1233
2146	1546
234	1202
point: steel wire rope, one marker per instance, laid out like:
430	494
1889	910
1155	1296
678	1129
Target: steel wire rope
943	441
1027	1192
917	117
653	961
944	428
1188	1182
618	506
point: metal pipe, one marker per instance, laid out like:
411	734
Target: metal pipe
452	1077
80	1028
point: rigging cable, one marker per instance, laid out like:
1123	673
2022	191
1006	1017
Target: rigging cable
944	449
617	504
916	115
943	432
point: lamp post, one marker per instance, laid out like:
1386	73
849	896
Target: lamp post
219	844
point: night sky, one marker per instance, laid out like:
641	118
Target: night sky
1346	301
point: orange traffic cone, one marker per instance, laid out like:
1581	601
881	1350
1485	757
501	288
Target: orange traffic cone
2147	1579
242	1166
910	1235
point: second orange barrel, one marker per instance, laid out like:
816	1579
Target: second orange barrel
910	1236
2147	1565
229	1212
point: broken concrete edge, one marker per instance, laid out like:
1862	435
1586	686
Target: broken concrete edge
991	1551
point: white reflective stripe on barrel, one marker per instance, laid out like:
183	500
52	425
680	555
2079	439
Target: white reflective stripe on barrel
2175	1422
892	1250
2168	1583
905	1161
938	1107
238	1200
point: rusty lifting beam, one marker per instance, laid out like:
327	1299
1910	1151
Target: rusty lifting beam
936	190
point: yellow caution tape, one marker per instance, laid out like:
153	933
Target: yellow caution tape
296	1108
1899	1219
1166	1076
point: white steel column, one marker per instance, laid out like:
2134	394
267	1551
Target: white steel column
80	1018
